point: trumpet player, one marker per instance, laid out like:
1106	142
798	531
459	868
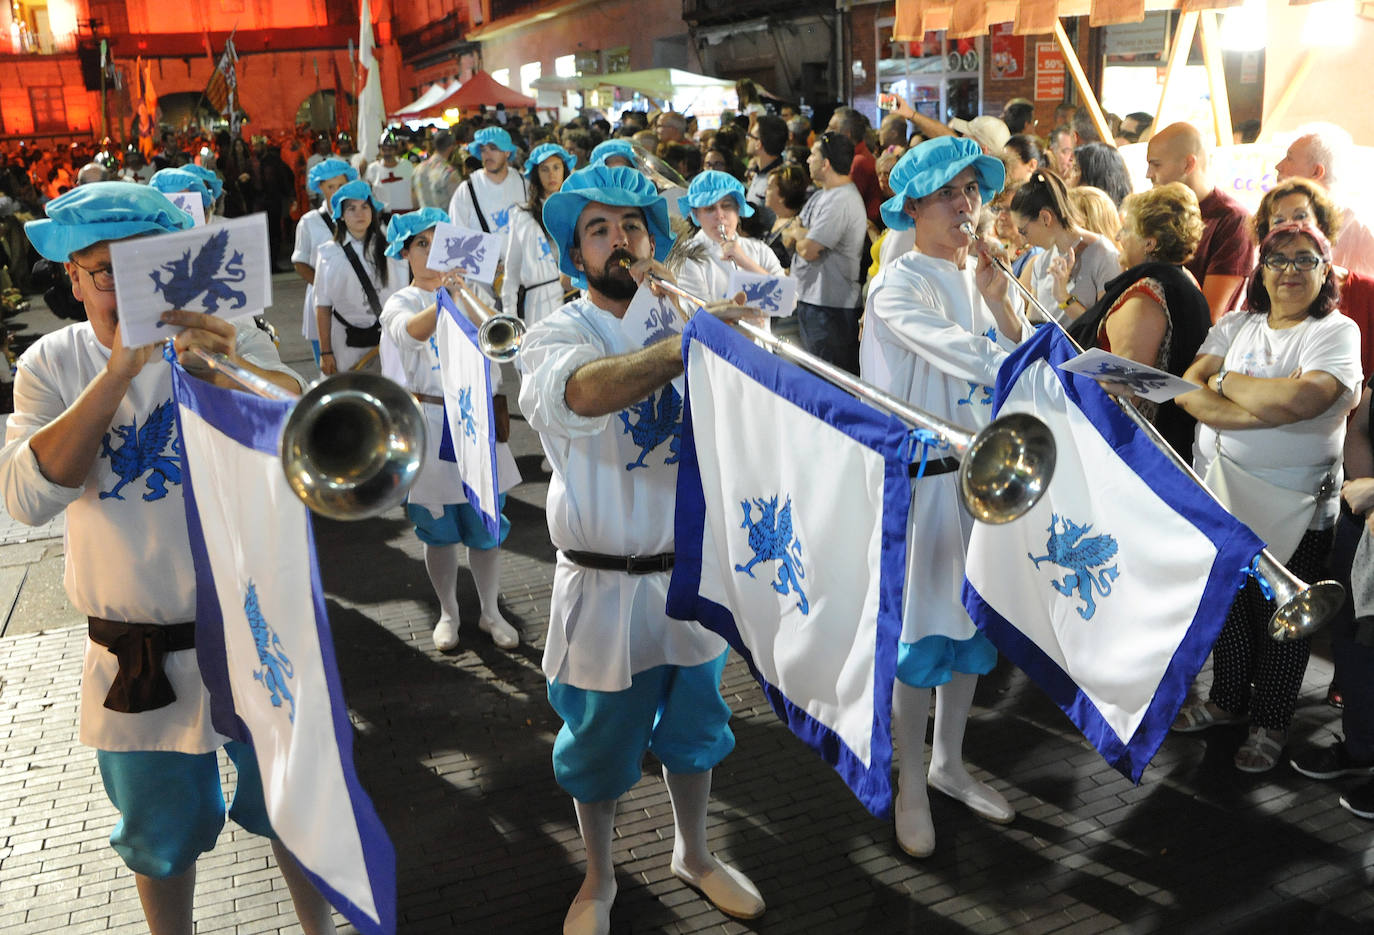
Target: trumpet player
940	321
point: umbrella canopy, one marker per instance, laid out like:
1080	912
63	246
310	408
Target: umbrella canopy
481	89
435	93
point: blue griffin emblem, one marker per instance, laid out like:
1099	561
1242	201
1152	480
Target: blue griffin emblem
660	322
1140	382
984	398
277	671
545	248
1068	548
208	274
434	346
657	420
145	451
772	539
465	253
501	219
465	413
763	295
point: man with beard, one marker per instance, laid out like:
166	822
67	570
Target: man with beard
485	199
624	677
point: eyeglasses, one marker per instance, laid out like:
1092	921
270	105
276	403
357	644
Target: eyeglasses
102	277
1303	262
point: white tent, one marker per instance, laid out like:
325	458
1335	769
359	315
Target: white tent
436	92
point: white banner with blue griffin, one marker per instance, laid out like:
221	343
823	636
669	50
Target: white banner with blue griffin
1110	592
265	648
469	423
473	253
792	505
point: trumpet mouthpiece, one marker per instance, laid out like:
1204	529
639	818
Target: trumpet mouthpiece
626	264
967	228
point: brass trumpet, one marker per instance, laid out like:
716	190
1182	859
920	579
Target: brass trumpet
352	445
1003	469
498	336
1302	609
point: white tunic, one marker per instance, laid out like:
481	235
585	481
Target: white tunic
532	262
929	338
710	278
498	201
604	626
338	286
440	482
127	554
311	233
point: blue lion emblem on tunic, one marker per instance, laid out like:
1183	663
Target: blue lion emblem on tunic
657	420
187	279
1068	548
773	540
763	295
465	413
465	253
145	451
277	671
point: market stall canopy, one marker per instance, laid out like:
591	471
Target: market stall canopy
660	83
479	90
435	93
966	18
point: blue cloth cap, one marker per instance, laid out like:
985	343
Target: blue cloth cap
546	151
90	214
209	177
356	190
490	136
327	169
712	186
610	185
618	147
405	226
179	180
929	165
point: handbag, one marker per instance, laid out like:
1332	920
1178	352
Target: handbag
1278	515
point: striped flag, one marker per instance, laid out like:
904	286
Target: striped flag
792	502
1110	592
265	648
469	423
222	91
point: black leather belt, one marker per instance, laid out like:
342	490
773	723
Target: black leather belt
934	466
429	398
629	564
141	683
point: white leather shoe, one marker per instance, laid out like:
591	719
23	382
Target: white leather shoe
915	829
983	800
445	636
728	890
502	633
588	917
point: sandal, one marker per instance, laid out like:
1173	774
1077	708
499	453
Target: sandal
1261	750
1201	715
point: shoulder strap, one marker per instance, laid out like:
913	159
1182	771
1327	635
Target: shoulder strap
481	218
328	221
368	288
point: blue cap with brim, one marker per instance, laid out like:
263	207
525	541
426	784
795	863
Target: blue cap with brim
168	181
490	136
100	211
208	176
405	226
612	148
546	151
327	169
712	186
604	185
930	165
356	190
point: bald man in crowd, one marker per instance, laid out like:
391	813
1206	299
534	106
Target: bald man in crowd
1225	255
1317	155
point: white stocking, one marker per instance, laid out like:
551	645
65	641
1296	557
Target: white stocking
690	793
910	713
953	700
486	573
441	561
596	821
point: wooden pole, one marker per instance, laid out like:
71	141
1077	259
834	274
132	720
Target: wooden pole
1178	58
1080	81
1216	78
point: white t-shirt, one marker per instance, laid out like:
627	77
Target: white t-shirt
392	184
1287	455
604	626
127	550
498	200
1096	263
930	338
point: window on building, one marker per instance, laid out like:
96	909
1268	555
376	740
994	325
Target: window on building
941	78
49	111
501	76
529	72
618	59
588	63
565	66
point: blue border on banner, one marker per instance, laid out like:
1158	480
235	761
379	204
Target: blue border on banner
491	520
1236	546
255	423
872	784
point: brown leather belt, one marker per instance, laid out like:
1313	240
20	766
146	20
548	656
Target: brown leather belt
630	564
429	398
141	683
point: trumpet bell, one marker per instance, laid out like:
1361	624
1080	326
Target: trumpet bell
1007	468
500	337
353	445
1302	609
